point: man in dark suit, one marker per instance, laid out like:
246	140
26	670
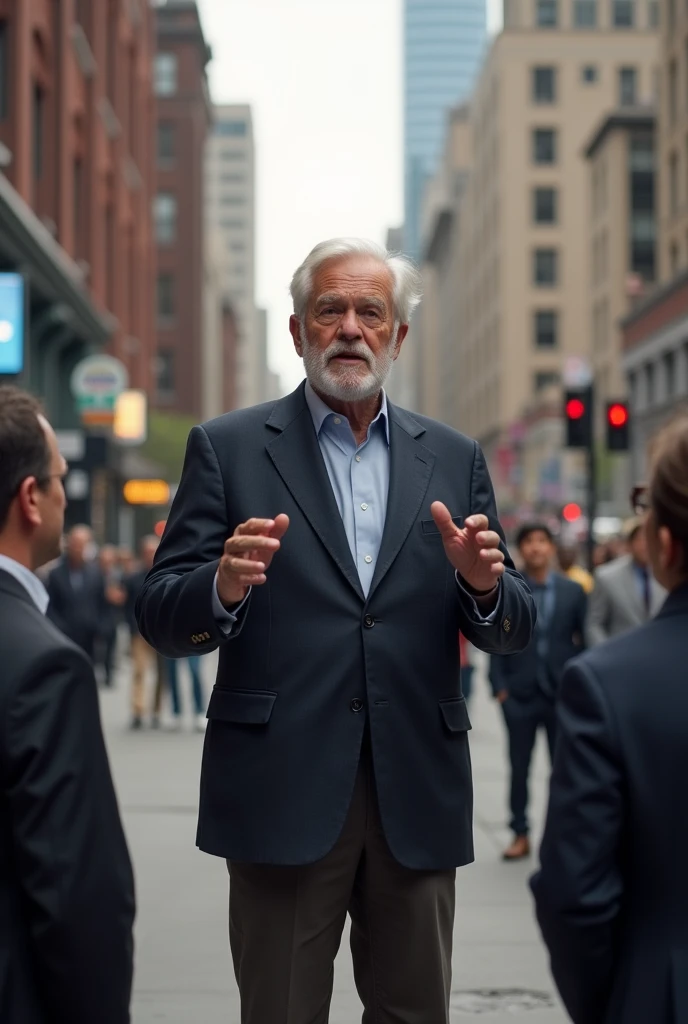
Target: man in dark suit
336	773
612	892
76	588
66	887
526	684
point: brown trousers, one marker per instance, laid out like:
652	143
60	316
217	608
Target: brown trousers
286	924
144	661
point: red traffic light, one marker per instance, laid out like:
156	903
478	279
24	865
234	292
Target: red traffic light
617	415
575	409
572	512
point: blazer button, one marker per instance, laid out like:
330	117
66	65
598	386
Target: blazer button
357	705
369	622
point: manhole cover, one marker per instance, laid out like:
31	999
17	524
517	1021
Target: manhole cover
508	1000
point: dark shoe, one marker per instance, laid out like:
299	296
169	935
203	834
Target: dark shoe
519	849
136	723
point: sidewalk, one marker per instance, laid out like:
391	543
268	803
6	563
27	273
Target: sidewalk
183	965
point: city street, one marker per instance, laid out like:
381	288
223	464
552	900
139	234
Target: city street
183	965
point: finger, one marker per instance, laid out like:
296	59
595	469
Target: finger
491	555
254	526
478	522
241	544
253	581
490	539
443	520
497	569
280	527
244	566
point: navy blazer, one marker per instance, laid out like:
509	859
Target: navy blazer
612	893
83	613
518	673
312	661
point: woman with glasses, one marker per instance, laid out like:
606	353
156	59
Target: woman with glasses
612	892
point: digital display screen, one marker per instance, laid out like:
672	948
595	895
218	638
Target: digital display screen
12	314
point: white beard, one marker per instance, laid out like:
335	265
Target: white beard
347	383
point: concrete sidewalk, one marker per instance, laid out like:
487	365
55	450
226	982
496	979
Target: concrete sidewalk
183	966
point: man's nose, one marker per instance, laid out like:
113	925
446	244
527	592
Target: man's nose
349	326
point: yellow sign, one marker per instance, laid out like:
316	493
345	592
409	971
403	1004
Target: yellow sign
131	417
147	492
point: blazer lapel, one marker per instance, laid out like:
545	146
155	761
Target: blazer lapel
296	455
411	465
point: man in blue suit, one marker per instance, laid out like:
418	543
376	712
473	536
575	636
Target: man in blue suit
332	546
526	684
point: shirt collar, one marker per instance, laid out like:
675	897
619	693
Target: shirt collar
320	411
30	582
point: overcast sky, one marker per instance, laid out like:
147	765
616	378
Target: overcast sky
324	80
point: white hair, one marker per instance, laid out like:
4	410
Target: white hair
406	278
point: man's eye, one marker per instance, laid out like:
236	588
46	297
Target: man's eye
371	314
328	312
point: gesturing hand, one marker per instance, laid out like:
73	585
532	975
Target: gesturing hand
247	557
474	551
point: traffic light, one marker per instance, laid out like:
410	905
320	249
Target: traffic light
618	420
578	416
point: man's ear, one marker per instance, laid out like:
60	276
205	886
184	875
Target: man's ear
295	331
27	500
401	335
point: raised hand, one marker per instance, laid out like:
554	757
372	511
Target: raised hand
247	557
474	551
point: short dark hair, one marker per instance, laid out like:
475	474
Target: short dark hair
24	449
526	529
669	480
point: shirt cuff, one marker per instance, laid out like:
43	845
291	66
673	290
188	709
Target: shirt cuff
482	620
224	618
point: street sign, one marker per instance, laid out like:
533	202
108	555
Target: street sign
147	492
12	323
96	383
131	417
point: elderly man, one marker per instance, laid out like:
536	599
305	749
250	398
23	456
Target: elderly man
333	545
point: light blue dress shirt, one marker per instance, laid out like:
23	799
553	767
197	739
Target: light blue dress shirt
29	580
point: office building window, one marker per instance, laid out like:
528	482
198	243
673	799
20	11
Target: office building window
166	74
653	13
545	379
232	179
4	69
589	74
671	14
233	223
585	13
544	81
545	205
642	201
673	183
672	89
669	373
546	328
544	146
229	155
628	86
233	201
623	13
547	13
165	217
673	258
38	131
166	142
165	372
227	128
545	268
165	295
79	201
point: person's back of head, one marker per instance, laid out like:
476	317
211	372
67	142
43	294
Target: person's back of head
666	525
32	499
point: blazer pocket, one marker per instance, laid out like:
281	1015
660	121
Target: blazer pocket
455	714
245	707
429	526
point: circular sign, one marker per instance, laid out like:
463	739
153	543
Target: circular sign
99	377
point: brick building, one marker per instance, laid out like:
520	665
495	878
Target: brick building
77	116
184	119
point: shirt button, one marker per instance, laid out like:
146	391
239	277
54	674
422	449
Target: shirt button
337	420
356	705
364	507
368	559
358	458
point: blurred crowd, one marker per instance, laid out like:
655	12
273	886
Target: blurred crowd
93	592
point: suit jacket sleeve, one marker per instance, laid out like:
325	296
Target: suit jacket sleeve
510	628
176	600
578	890
599	612
69	847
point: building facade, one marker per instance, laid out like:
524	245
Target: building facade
524	270
183	123
231	209
444	43
76	180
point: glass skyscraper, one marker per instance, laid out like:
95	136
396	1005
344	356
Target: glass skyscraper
444	42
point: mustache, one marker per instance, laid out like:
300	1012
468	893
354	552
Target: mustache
355	349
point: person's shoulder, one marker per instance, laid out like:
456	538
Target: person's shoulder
33	646
436	432
616	662
569	586
610	572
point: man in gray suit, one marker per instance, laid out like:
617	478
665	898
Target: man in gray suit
626	594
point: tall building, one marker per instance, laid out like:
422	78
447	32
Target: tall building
76	181
231	209
524	269
444	42
184	118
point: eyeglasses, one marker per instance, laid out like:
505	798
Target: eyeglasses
640	500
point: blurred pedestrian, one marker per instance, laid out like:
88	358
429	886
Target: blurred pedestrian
66	885
194	665
526	684
569	564
611	895
115	597
467	668
625	594
145	661
76	588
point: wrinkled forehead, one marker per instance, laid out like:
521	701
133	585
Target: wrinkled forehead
353	278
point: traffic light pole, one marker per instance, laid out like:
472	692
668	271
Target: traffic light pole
591	474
